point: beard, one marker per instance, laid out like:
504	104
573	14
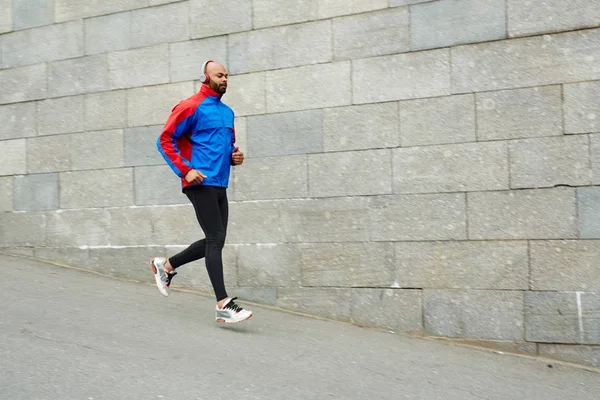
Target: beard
217	88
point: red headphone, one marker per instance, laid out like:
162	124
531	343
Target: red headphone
205	78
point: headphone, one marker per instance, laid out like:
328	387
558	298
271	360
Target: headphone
205	78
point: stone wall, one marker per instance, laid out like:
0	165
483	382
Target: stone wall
422	166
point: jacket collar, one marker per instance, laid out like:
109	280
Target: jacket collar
207	91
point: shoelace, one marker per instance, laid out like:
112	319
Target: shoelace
169	277
232	306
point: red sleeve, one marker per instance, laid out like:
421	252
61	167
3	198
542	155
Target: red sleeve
178	124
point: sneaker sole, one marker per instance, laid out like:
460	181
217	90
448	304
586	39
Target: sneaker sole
157	278
224	321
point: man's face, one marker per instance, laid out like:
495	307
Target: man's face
218	77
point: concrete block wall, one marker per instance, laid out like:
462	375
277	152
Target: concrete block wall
426	166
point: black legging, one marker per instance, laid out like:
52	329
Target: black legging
212	210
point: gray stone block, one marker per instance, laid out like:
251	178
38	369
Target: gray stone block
552	317
268	13
524	62
408	76
361	127
286	88
152	105
140	146
49	154
106	110
38	45
451	168
588	211
329	303
451	22
97	150
449	119
104	188
519	113
23	84
334	8
23	229
139	67
124	262
6	20
264	265
288	46
132	226
588	355
541	16
63	115
255	222
463	265
31	13
590	317
398	3
74	9
271	178
176	225
350	173
14	157
107	33
78	228
477	314
208	18
36	192
157	185
325	220
399	310
246	93
194	275
523	214
241	135
372	34
18	121
547	162
348	264
71	256
77	76
167	23
6	187
187	57
266	296
285	134
595	158
581	107
565	265
418	217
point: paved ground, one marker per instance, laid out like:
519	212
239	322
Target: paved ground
67	334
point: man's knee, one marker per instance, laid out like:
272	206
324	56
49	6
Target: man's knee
216	240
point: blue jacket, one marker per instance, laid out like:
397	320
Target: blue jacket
200	135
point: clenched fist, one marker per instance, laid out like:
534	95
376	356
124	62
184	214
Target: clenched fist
237	156
194	177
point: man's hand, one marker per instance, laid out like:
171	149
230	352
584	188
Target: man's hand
194	177
237	156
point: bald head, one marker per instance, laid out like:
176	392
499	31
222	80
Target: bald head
217	75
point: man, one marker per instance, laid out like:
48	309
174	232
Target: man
197	142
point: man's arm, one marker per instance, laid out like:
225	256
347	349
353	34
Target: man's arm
178	123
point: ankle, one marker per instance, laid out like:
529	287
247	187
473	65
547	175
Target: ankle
168	267
221	302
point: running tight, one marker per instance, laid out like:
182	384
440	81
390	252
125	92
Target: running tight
212	211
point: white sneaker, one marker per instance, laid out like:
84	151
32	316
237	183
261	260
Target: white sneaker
231	313
158	268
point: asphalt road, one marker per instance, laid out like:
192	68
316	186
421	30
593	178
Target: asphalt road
67	334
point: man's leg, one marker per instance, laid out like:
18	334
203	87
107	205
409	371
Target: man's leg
193	252
207	205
